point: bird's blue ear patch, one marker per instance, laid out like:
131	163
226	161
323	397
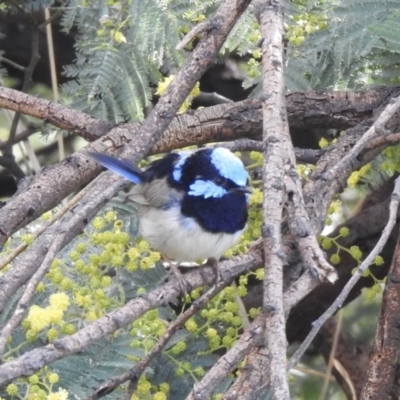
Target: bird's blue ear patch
177	171
206	189
229	166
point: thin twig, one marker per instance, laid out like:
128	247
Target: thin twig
328	374
34	164
58	13
394	203
53	73
244	317
28	72
12	63
30	130
212	98
376	129
202	27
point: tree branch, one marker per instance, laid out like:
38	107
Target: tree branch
202	27
33	360
350	284
333	168
365	229
28	72
55	238
228	362
338	110
266	361
30	130
385	349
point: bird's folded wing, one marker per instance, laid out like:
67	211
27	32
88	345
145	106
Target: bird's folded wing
156	194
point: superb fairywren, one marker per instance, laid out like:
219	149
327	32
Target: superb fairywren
192	205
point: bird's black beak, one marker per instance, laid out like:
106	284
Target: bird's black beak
243	189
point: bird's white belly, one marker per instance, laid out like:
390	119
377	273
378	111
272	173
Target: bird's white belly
181	238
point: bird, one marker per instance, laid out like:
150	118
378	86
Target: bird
192	204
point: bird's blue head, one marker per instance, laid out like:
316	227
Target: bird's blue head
210	173
216	186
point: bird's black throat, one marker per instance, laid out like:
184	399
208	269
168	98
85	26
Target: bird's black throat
227	214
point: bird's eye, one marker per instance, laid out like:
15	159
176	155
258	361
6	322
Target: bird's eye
219	181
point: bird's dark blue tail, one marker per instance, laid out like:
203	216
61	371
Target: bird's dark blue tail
122	166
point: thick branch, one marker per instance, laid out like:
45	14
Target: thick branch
337	110
54	113
266	362
222	122
385	349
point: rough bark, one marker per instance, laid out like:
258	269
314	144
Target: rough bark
385	348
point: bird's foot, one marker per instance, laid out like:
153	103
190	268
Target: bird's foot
183	283
213	263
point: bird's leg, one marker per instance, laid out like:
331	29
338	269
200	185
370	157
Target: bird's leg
213	263
183	283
